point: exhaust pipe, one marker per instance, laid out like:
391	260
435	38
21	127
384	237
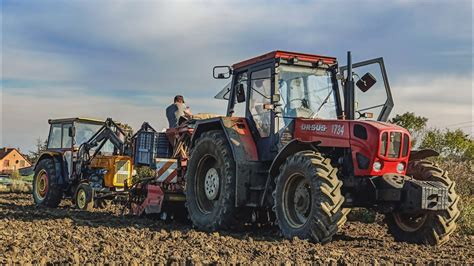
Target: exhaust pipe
349	97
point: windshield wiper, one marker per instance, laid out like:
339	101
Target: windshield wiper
255	90
322	104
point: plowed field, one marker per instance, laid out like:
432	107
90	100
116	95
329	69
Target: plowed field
39	235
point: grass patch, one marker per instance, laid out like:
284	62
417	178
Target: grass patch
463	174
28	178
466	220
16	186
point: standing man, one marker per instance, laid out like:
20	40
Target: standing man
177	110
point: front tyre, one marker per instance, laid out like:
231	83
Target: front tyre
84	197
47	192
431	228
210	183
307	198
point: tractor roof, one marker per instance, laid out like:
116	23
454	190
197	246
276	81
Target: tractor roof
76	119
285	55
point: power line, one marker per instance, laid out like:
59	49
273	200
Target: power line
460	123
471	126
461	126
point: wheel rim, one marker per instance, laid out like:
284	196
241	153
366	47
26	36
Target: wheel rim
207	184
409	223
211	183
81	198
297	200
41	186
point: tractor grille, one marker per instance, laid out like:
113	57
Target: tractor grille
120	178
122	171
394	144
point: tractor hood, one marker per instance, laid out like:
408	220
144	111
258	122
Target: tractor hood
369	141
341	131
381	125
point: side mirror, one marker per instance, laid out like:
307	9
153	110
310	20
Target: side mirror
240	93
221	72
72	132
366	82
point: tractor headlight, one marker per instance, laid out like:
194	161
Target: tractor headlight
400	167
377	166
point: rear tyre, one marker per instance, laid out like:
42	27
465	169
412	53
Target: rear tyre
84	197
210	183
307	198
46	190
432	228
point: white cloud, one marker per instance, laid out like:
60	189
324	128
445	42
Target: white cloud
444	100
25	116
21	64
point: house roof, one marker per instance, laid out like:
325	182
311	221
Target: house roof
5	151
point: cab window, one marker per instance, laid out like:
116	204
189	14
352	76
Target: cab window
67	141
54	141
239	108
260	94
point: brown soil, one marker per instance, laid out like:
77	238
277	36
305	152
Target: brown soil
65	235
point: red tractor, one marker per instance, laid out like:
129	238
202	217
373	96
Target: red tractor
298	143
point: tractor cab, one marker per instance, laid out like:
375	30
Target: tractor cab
275	89
69	133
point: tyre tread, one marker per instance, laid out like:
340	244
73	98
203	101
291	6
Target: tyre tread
55	190
328	217
440	225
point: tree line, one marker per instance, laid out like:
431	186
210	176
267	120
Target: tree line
451	144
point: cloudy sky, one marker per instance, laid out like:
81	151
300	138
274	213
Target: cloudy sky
127	59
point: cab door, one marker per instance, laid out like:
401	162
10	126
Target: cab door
261	119
255	87
236	108
67	146
60	140
375	103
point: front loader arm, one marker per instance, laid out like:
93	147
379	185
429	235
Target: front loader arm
107	132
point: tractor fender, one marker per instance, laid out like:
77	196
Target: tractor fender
205	125
237	132
422	154
244	152
290	148
58	164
